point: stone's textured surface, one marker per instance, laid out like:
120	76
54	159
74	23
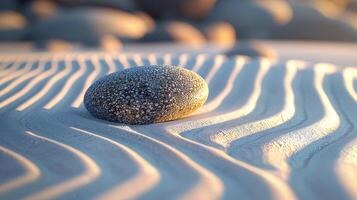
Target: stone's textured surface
149	94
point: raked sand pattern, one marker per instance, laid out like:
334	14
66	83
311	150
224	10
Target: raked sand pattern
268	131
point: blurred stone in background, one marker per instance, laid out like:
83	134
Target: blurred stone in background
175	31
220	33
88	25
252	49
12	26
98	23
252	19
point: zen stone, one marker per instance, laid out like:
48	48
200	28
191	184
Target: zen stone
149	94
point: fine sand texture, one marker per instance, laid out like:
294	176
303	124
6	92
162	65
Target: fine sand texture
283	130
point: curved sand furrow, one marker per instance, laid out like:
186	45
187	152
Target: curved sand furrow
146	177
241	172
300	135
218	61
90	79
327	160
183	59
137	58
217	101
152	59
236	110
31	84
186	172
91	172
200	60
68	85
167	58
217	83
109	61
248	148
9	68
32	172
113	163
279	150
24	72
48	157
230	134
197	128
53	80
346	163
117	165
350	76
123	61
208	186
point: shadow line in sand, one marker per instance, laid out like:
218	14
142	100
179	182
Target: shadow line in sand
265	131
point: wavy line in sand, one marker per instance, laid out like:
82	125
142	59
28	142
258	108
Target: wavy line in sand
111	65
349	76
226	136
218	61
73	78
183	58
208	187
235	114
20	72
11	68
91	172
146	178
137	60
167	59
216	102
152	59
346	164
200	60
277	151
90	79
39	77
32	172
64	72
123	61
280	189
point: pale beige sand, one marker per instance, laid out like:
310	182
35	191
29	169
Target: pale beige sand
283	130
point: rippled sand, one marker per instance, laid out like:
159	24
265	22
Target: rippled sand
268	131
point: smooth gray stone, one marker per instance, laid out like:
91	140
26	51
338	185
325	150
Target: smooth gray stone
149	94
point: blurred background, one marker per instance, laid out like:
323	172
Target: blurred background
110	24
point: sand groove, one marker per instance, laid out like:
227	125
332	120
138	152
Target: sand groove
268	131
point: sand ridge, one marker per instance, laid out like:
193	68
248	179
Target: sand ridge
268	130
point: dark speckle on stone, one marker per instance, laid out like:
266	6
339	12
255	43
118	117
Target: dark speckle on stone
149	94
